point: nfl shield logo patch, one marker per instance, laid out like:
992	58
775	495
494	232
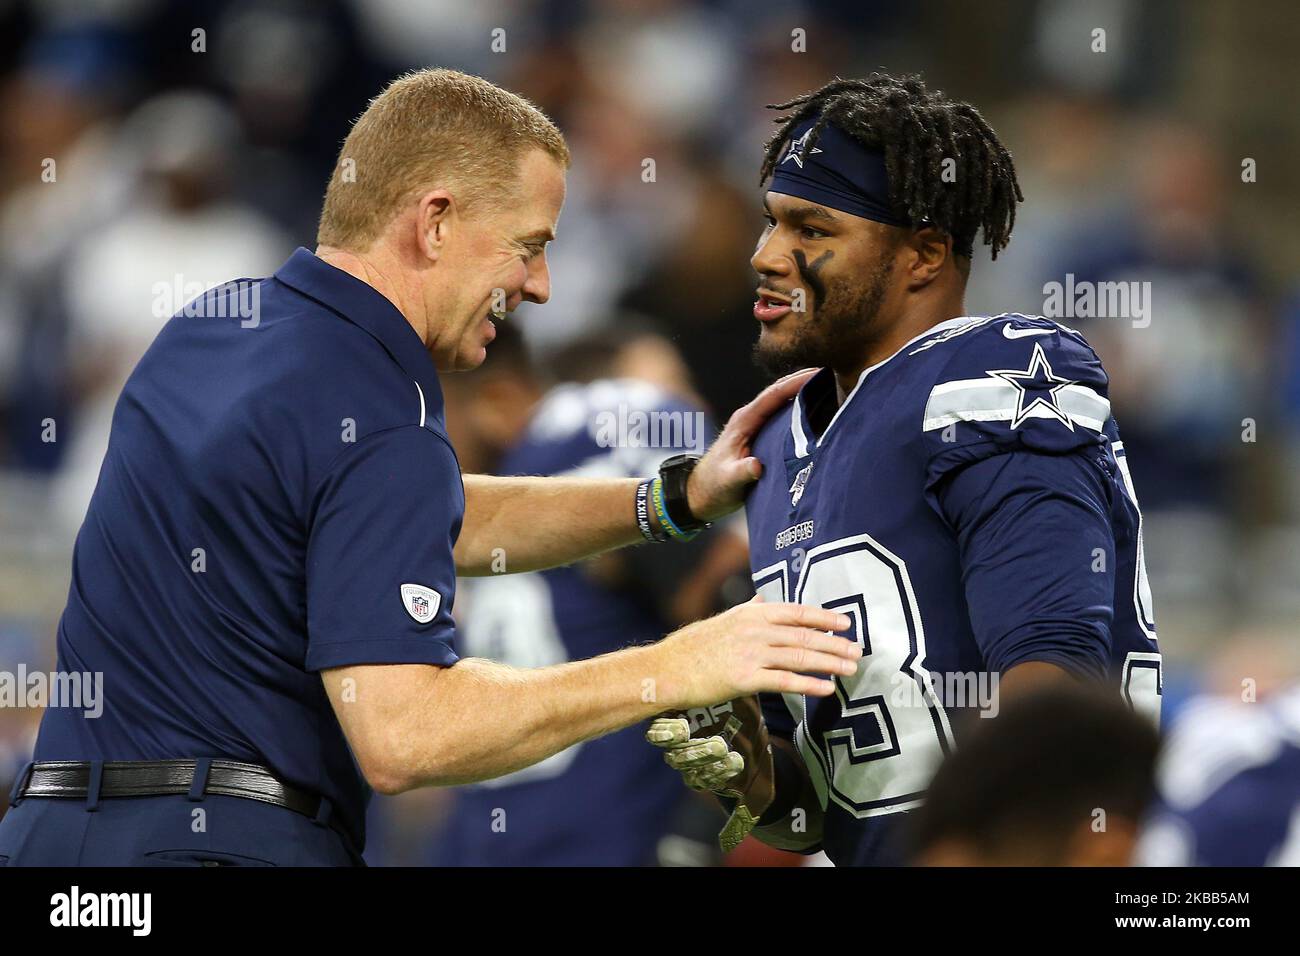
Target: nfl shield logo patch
420	602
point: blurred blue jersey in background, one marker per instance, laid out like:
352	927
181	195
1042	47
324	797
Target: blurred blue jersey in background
609	801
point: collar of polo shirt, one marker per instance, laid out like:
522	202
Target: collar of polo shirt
364	306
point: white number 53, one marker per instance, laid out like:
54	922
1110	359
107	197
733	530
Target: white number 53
878	756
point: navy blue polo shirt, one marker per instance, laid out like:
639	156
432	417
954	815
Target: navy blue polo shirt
279	496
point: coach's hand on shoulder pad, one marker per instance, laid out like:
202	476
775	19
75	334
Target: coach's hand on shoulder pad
752	648
720	481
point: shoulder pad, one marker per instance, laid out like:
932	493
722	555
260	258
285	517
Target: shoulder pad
1015	373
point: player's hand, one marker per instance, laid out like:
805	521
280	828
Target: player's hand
723	749
720	481
705	763
754	647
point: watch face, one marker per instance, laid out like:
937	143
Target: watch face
677	462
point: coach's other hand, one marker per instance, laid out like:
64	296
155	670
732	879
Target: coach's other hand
755	647
720	481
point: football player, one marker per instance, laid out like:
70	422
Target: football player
1229	786
609	801
1063	777
956	485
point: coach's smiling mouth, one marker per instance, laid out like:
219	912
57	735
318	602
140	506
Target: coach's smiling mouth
511	303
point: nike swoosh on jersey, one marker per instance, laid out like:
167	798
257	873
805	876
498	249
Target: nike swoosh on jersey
1013	333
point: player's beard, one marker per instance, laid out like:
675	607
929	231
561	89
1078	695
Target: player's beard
838	331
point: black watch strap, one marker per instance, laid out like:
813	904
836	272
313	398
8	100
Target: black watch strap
674	473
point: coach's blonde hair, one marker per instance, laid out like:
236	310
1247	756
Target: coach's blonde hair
430	128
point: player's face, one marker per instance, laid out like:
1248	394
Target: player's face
501	263
823	278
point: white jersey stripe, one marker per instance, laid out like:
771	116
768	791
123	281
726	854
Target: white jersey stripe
991	400
796	428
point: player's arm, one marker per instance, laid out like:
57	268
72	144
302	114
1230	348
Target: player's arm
794	820
416	725
536	523
1037	553
1028	497
1031	676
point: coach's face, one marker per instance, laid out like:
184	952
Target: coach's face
497	260
824	285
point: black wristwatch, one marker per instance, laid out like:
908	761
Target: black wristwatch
674	473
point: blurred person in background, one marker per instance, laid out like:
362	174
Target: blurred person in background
1190	368
1190	373
1060	777
620	224
185	145
63	176
1229	784
701	292
608	801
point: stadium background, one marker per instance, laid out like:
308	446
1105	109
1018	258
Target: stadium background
178	165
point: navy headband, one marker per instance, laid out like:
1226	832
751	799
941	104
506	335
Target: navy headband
838	172
841	173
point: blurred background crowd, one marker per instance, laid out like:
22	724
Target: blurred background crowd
150	145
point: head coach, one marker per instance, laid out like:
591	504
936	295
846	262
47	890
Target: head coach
266	571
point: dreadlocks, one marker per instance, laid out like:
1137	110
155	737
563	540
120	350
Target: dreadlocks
917	129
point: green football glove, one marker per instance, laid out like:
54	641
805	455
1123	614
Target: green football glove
723	749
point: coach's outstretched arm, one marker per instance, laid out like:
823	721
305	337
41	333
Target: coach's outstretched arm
536	523
413	725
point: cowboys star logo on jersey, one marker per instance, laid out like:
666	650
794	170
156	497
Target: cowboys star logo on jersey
1030	397
1039	380
420	602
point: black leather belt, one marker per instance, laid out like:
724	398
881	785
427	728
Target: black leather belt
155	778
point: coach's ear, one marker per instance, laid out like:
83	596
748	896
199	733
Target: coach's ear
434	218
926	251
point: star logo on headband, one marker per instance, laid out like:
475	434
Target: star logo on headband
799	150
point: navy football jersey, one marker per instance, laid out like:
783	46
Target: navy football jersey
1229	786
969	507
607	801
